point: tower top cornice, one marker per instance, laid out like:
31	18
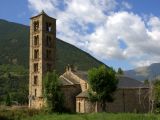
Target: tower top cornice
41	13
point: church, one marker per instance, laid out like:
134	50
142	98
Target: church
131	95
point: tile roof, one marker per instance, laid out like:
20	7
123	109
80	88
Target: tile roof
67	76
124	81
65	81
83	94
82	74
127	82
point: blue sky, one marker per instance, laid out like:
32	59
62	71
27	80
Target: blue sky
121	33
15	11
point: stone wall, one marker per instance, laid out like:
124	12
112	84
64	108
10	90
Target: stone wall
37	103
44	62
83	105
130	100
70	93
125	100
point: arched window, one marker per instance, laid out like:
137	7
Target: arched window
36	40
85	85
79	106
35	92
49	67
48	54
35	67
48	27
36	25
48	41
36	54
35	80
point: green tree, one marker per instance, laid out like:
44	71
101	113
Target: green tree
14	80
120	71
103	83
8	100
53	92
157	95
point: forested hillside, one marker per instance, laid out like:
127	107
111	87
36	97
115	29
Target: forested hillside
14	47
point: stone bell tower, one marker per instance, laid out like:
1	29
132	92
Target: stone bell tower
42	55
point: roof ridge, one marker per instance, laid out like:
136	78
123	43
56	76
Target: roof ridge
67	79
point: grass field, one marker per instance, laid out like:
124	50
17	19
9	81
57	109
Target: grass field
98	116
29	114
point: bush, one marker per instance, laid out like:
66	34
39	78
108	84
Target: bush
18	114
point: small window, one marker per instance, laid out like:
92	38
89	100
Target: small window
36	25
35	92
48	54
36	40
48	27
48	41
49	66
85	85
36	54
35	80
35	67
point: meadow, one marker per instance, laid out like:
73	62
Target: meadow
26	114
95	116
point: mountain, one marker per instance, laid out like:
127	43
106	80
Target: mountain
14	47
142	73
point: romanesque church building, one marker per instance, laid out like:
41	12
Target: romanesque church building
130	96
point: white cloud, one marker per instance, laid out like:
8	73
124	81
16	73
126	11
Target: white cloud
128	27
39	5
154	31
102	40
126	5
154	23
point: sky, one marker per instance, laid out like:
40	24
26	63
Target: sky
120	33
